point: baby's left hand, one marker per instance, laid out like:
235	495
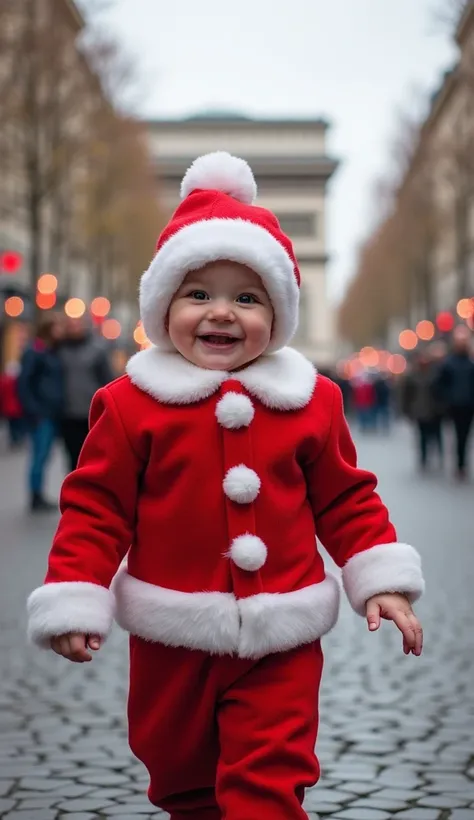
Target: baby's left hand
396	607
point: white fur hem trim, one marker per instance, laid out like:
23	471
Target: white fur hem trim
277	622
383	568
220	171
248	552
235	410
209	240
69	606
208	621
241	484
218	623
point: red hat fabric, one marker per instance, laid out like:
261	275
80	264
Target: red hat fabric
218	220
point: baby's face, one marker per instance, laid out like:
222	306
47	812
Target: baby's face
221	317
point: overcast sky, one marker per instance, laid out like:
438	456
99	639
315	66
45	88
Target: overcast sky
355	62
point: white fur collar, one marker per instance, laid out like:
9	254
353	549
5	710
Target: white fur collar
282	381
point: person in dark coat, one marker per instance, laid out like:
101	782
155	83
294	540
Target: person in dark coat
456	388
86	368
420	404
41	394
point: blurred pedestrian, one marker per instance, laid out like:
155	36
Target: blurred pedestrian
383	401
364	401
420	404
10	405
41	393
86	368
456	388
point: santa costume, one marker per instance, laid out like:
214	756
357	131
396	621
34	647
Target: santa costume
214	485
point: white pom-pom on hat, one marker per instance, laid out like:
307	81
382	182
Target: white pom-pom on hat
220	171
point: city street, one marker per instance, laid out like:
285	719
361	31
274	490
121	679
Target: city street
397	733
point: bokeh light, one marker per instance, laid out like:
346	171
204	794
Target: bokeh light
369	357
111	329
465	308
384	356
445	321
100	307
45	301
425	330
47	283
397	364
139	335
75	308
14	306
408	339
10	261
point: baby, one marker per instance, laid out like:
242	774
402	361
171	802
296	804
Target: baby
212	466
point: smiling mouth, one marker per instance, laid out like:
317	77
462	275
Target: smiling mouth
218	339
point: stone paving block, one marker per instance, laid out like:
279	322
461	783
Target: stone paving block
85	804
81	816
40	802
39	814
443	801
130	810
6	804
362	814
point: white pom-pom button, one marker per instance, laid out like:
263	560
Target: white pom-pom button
235	410
221	171
241	484
248	552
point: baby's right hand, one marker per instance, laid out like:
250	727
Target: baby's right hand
74	645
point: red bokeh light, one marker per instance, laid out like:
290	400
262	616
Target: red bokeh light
445	321
10	261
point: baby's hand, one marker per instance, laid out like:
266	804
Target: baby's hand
74	645
396	607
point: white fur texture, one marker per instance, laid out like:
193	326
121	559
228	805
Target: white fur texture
241	484
216	622
208	241
235	410
70	606
208	621
220	171
383	568
248	552
279	622
281	381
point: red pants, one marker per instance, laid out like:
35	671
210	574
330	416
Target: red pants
223	737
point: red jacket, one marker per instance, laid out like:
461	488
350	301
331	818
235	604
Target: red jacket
10	406
363	395
214	486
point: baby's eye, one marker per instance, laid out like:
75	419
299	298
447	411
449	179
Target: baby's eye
199	295
247	299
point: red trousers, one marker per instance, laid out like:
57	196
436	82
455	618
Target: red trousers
223	737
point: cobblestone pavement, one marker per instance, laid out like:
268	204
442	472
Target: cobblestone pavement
397	733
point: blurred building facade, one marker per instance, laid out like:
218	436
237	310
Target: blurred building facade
292	168
419	261
36	194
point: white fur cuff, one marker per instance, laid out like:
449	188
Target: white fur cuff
383	568
72	606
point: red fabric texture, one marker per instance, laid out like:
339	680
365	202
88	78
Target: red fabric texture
225	737
150	478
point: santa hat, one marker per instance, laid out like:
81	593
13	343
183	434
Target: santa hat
218	220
